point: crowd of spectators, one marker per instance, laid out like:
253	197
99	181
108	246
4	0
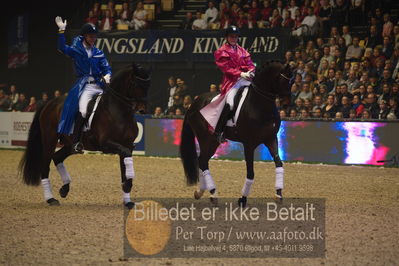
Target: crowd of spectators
14	101
119	15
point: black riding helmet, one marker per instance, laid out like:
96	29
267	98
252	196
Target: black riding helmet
232	30
88	28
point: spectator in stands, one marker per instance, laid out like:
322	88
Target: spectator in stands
251	22
387	28
334	35
199	23
354	52
308	23
266	12
123	21
317	113
171	91
157	112
187	101
339	115
242	21
280	8
304	114
293	113
234	12
339	16
96	10
225	21
283	114
345	107
346	35
325	17
275	19
254	11
352	114
371	105
211	14
111	8
373	38
396	35
13	95
223	9
386	93
383	110
31	106
387	47
352	82
357	105
355	12
330	108
305	93
21	104
125	12
92	18
178	112
393	109
288	22
213	88
292	7
366	114
107	21
139	20
4	102
187	23
43	101
57	94
318	103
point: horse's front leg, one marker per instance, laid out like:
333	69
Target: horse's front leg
246	189
127	170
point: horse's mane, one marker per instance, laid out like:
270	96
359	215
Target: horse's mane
119	77
269	66
264	73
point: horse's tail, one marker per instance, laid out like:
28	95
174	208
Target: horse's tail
188	154
31	162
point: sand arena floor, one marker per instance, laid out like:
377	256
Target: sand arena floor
362	210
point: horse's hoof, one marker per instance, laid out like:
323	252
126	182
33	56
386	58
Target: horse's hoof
278	197
53	202
198	194
214	201
64	190
242	202
129	205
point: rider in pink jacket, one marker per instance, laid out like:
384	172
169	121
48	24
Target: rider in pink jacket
237	67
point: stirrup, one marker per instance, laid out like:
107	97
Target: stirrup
220	138
77	147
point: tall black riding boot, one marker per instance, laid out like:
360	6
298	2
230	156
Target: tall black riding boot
77	146
224	117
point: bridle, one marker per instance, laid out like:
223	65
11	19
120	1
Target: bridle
268	95
129	101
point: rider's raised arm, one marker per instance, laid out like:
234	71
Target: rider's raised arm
62	47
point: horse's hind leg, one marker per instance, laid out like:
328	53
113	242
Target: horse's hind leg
58	159
279	185
249	159
205	179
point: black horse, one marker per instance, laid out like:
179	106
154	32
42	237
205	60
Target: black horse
258	123
113	130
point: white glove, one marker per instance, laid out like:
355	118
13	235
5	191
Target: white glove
61	24
246	75
107	78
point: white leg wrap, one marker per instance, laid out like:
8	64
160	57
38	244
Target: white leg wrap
246	189
126	197
208	180
129	167
65	177
279	178
202	185
47	189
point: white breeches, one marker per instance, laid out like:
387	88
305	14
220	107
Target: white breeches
88	92
233	91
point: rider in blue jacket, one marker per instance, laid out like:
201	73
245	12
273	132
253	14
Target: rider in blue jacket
91	68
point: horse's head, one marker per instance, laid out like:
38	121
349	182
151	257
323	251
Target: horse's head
133	84
274	79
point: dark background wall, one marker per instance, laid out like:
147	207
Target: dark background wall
47	69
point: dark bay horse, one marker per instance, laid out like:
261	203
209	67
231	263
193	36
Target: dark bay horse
113	130
258	123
